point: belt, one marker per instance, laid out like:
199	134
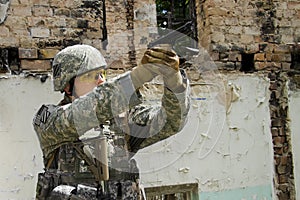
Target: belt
116	175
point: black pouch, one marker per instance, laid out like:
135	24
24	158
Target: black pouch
46	183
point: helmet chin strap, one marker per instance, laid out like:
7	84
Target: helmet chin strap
71	92
74	94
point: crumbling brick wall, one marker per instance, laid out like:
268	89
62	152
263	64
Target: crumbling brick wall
239	35
130	28
34	31
254	36
283	157
241	32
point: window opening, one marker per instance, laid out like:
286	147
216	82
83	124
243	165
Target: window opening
172	14
9	60
178	16
173	192
247	64
295	55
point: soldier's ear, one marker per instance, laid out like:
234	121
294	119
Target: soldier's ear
68	89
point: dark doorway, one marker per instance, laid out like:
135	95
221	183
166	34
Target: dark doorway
247	62
172	14
178	16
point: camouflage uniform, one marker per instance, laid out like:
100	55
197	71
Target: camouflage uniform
59	126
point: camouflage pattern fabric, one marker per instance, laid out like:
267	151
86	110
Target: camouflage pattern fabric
57	125
73	61
147	129
124	189
116	100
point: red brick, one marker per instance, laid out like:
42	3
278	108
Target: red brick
274	131
282	49
278	150
283	179
281	169
281	57
277	159
284	160
22	11
48	53
28	53
273	86
4	31
42	11
293	5
36	65
269	56
215	56
40	2
260	65
286	148
277	122
283	187
276	57
40	32
235	56
259	57
286	66
278	141
281	131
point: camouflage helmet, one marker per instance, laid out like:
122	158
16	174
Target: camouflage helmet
73	61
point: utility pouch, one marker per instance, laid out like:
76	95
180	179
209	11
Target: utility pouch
47	181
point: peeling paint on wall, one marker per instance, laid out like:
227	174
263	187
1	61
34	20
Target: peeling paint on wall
294	107
21	157
221	151
220	156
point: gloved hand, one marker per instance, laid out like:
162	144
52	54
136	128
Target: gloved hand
143	73
167	62
165	57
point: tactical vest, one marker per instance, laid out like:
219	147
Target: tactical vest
99	157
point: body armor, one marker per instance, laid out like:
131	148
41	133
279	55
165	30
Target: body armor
96	167
74	164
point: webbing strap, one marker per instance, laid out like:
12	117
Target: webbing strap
92	165
51	159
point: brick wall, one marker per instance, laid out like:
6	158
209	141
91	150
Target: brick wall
239	32
254	36
34	31
128	30
240	35
283	157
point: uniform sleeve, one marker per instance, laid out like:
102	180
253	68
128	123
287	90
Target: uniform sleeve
56	125
151	124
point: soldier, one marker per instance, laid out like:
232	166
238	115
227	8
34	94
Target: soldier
76	165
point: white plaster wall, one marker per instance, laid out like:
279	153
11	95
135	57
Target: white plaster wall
294	110
215	150
21	158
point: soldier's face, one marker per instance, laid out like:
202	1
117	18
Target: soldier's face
85	83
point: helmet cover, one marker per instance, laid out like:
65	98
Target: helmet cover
74	61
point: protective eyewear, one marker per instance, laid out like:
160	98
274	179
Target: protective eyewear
93	75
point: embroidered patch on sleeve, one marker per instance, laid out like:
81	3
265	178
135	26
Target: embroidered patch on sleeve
56	70
42	115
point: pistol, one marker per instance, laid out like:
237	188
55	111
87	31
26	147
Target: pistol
182	41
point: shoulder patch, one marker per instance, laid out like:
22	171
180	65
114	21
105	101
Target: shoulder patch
42	115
